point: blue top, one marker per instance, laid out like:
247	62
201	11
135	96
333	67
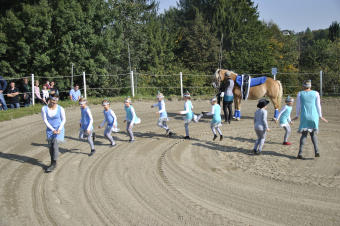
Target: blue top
309	114
85	119
130	112
75	94
188	107
217	114
108	117
161	107
284	115
55	122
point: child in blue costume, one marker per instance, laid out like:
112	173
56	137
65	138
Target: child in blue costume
131	118
308	107
285	120
111	120
55	119
86	124
163	115
216	120
189	115
260	125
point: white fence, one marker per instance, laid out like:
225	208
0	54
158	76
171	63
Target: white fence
175	84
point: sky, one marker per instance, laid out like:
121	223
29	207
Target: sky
295	15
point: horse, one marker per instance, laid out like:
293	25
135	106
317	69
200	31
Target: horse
270	88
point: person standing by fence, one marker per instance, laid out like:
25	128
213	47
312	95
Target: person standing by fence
308	108
26	92
75	93
13	96
3	86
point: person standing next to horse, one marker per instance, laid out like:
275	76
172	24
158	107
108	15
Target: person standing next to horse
228	97
189	115
216	120
3	86
308	108
55	119
285	120
163	115
111	120
260	125
86	124
131	118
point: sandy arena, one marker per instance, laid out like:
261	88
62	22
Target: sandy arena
170	181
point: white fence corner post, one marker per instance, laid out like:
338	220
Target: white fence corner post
321	83
132	84
33	99
84	83
181	81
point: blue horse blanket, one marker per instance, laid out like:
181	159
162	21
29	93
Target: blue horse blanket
253	82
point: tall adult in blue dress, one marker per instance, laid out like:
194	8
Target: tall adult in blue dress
308	108
54	118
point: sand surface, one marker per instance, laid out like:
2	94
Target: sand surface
170	181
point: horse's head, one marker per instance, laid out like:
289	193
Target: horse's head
220	75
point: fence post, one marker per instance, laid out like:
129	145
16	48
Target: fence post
181	81
84	83
132	84
33	99
321	83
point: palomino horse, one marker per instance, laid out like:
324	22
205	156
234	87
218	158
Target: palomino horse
271	88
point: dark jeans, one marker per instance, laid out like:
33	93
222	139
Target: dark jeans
15	105
3	102
228	110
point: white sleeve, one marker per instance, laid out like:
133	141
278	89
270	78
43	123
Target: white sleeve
43	114
163	107
281	111
133	115
212	111
91	119
63	118
114	116
298	105
318	104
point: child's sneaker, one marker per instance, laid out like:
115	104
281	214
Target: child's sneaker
287	143
215	136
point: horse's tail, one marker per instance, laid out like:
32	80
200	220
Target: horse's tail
280	94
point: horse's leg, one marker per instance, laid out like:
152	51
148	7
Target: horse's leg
237	101
276	107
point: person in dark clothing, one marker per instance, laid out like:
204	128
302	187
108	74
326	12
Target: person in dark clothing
26	92
3	86
13	96
228	98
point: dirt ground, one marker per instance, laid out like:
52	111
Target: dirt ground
170	181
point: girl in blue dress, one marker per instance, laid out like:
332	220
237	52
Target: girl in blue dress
111	120
189	115
86	124
216	120
285	120
131	118
163	115
54	119
308	108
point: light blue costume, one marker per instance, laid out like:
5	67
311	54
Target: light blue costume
163	116
216	120
55	122
75	94
109	118
85	121
284	120
131	119
309	119
189	115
